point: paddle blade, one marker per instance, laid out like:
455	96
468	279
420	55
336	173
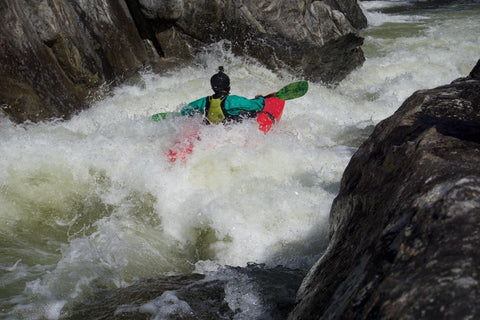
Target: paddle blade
292	91
164	115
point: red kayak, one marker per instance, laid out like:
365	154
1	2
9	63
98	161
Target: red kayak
271	114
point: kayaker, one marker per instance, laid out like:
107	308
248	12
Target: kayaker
222	107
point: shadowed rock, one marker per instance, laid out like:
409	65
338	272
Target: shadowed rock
55	56
405	227
197	297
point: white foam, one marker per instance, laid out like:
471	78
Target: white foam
165	306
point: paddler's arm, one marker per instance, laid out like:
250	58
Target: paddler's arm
197	106
235	105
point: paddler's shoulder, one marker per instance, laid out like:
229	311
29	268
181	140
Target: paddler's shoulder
235	98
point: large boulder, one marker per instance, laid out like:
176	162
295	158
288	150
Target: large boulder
405	227
55	57
315	39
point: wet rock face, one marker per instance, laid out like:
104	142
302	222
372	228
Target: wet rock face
198	297
405	227
316	39
55	56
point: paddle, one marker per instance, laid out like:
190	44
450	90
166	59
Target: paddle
291	91
164	115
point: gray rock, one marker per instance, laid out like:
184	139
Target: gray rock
405	227
54	57
204	298
162	9
315	39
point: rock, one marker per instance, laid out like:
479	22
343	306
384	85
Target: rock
475	74
314	39
405	227
197	297
56	58
162	9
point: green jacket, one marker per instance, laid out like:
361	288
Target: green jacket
234	106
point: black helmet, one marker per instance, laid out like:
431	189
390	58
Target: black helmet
220	81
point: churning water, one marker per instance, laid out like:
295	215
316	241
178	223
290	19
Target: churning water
93	203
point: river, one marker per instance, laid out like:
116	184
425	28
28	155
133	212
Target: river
93	204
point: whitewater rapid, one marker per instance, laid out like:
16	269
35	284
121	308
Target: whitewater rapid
93	202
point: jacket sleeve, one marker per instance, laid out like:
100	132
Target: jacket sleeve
197	106
235	105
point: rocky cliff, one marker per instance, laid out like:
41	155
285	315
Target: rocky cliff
405	227
56	55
